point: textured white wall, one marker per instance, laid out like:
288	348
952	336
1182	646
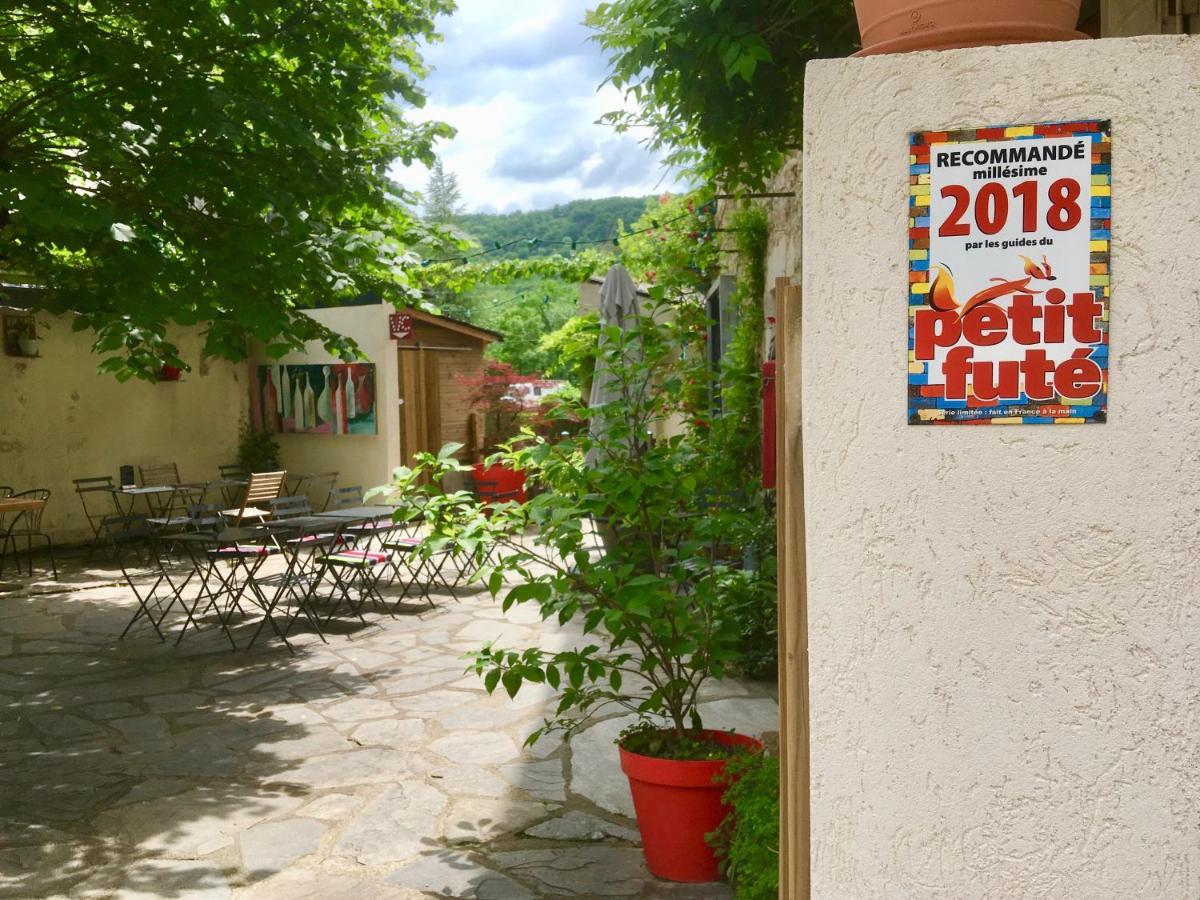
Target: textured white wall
1005	640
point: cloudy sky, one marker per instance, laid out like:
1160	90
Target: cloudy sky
519	79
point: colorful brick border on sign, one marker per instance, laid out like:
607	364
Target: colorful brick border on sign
927	404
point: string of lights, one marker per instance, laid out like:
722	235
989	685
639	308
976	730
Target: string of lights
574	243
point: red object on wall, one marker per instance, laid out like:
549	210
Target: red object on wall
768	416
400	326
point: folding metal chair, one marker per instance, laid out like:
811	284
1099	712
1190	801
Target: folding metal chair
262	488
409	551
103	504
345	497
352	569
228	565
320	489
159	590
205	517
27	524
231	479
291	507
164	506
296	586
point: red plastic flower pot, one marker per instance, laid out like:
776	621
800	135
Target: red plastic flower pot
677	803
503	481
900	26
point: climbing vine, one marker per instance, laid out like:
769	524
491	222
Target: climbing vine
740	426
455	277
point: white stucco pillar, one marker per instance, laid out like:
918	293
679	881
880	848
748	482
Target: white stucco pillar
1005	622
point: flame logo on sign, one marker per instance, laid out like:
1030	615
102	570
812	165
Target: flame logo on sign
941	294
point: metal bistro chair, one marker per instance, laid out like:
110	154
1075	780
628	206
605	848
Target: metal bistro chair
290	507
205	517
167	475
320	489
154	587
99	491
232	478
28	524
296	585
262	489
345	497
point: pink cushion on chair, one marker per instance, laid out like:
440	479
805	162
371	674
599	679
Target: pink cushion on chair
358	557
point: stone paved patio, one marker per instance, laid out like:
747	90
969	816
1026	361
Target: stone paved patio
370	767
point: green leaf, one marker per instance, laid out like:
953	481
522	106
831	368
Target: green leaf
512	682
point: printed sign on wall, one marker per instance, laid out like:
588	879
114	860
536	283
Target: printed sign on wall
1009	280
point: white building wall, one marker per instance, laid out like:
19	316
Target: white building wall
1005	622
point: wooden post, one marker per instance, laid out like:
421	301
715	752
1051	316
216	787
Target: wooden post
794	836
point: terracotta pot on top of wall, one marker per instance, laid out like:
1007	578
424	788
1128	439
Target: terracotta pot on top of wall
900	26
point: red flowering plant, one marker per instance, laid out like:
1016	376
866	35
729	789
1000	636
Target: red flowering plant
503	396
674	246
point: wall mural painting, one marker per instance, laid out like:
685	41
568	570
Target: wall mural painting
320	399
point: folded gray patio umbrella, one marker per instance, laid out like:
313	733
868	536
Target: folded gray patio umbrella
618	307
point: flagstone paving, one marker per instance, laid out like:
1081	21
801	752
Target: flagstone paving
373	766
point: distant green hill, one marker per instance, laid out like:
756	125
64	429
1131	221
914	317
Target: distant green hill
580	220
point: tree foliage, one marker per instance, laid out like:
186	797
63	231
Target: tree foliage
442	202
719	83
524	312
208	162
448	279
582	221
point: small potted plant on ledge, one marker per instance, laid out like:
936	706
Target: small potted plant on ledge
898	26
655	622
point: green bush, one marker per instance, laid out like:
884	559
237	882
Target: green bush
747	843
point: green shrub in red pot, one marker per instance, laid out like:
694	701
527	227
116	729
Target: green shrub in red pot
656	622
678	786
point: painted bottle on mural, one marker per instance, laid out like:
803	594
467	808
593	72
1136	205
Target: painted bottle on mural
310	404
276	372
298	404
285	397
343	420
351	407
324	407
333	388
270	401
363	398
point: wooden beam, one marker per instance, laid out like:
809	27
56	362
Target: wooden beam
480	334
795	809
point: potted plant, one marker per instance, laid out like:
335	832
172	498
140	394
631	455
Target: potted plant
898	26
257	451
651	606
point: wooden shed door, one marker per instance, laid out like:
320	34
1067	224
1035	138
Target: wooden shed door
421	409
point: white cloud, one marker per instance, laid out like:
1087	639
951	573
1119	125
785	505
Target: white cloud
521	82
